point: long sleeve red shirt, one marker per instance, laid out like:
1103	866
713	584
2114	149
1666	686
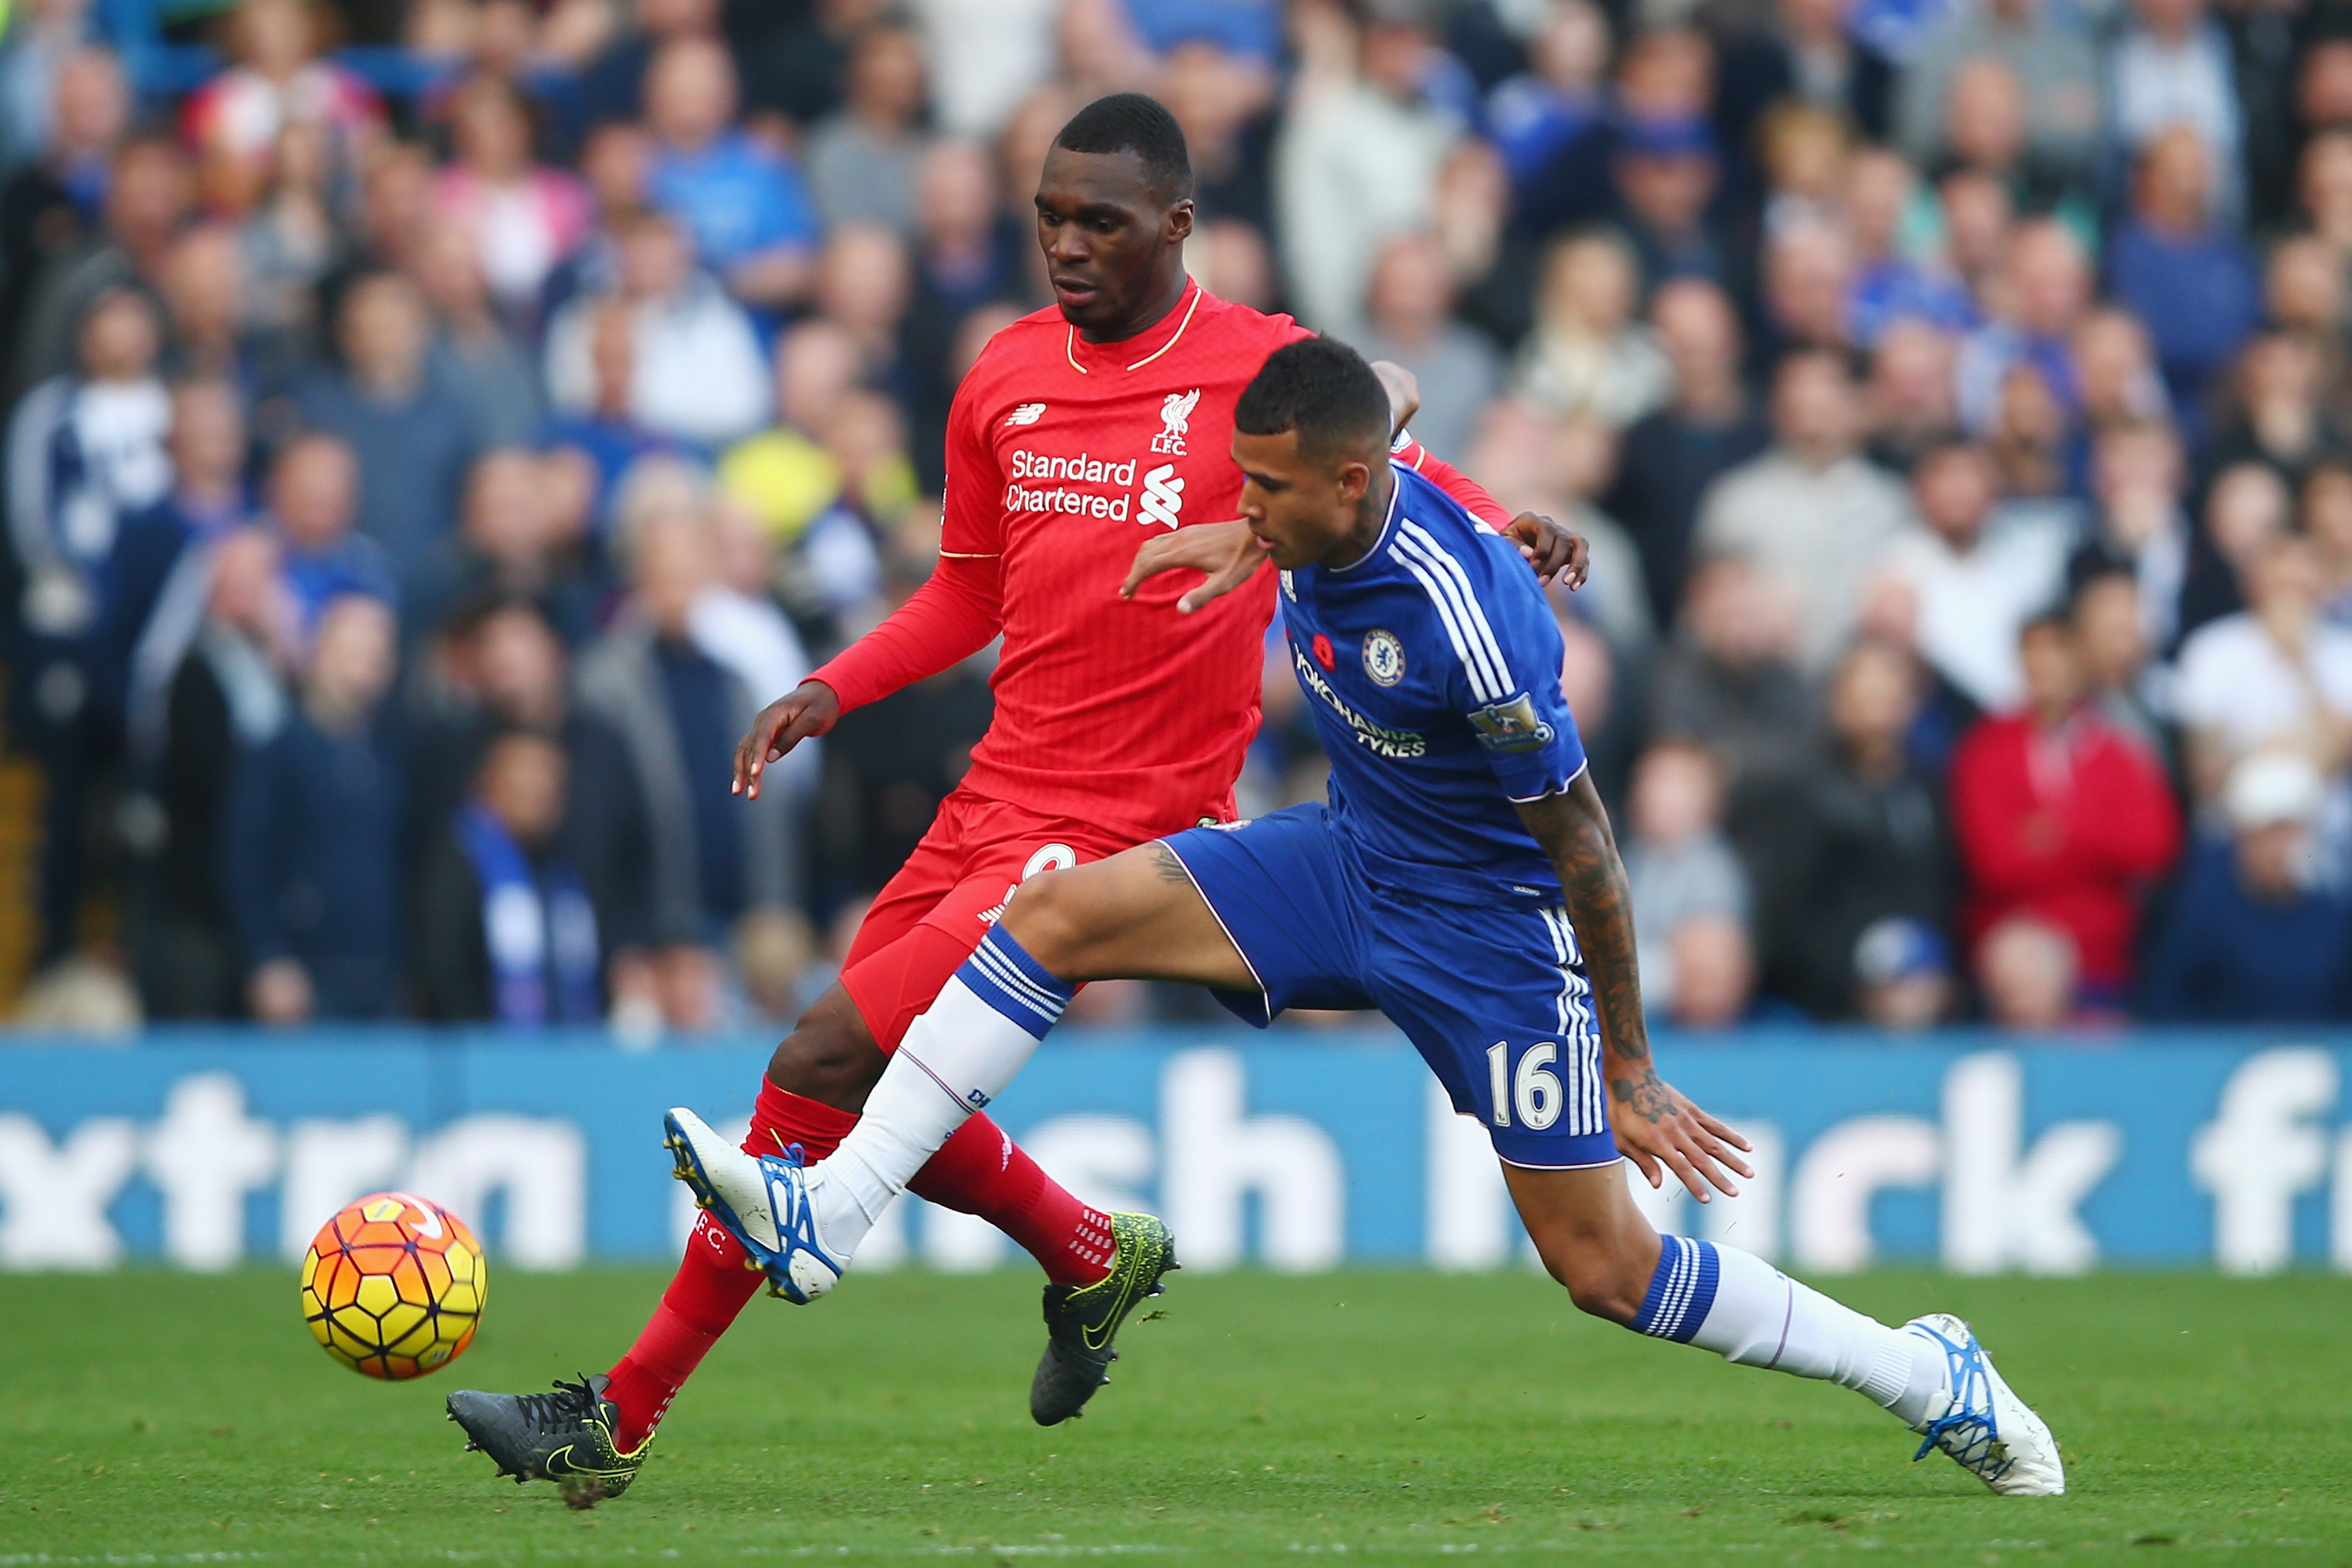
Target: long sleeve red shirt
2068	824
1120	712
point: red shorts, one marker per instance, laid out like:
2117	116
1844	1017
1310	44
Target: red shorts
926	922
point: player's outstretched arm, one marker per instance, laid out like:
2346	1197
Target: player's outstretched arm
811	708
1655	1124
1226	553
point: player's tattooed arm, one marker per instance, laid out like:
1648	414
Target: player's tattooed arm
1164	862
1657	1126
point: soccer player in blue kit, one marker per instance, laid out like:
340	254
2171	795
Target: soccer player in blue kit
1463	879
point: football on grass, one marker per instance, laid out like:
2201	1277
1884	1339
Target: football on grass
394	1286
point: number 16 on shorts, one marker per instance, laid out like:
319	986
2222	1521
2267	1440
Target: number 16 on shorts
1549	1079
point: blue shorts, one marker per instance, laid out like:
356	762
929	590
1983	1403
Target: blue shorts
1486	994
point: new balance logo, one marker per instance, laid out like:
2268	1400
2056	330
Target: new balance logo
1163	496
1027	414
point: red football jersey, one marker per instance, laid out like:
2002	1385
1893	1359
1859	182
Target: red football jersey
1062	457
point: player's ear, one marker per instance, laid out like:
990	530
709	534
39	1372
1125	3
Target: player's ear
1355	478
1178	225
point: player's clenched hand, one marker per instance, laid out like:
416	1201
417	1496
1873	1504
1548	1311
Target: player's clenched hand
1660	1130
1227	553
1556	553
809	709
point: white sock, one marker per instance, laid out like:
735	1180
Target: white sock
1740	1307
958	1055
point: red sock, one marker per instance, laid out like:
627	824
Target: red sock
980	1171
712	1282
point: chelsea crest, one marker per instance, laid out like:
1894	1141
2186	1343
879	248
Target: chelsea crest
1383	657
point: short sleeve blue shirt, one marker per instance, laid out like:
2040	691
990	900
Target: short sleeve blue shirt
1432	666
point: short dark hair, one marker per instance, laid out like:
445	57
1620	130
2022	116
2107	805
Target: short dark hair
1137	124
1321	388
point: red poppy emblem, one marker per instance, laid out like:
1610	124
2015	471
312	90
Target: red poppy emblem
1323	655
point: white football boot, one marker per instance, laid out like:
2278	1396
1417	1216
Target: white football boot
1988	1430
762	1200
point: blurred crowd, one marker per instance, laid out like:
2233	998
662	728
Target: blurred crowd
435	427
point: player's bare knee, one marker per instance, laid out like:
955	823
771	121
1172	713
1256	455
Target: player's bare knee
829	1057
1046	918
1599	1279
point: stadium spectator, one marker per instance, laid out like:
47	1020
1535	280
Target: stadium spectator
740	199
514	542
2028	971
2172	66
1912	398
208	688
694	371
1811	513
2051	50
2141	529
471	355
292	239
1357	158
612	84
410	436
233	122
53	196
1588	355
2041	289
1669	458
1665	176
87	451
1887	285
1976	568
147	199
2195	285
313	850
2128	688
1410	321
2256	934
1729	676
1852	839
967	255
2274	675
1902	976
313	497
2061	819
521	216
505	931
862	159
714	858
1680	868
507	671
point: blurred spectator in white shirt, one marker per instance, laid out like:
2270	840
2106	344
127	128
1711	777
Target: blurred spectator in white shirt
699	375
1357	160
1978	570
1811	513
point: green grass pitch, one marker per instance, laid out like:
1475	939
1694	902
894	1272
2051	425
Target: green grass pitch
152	1417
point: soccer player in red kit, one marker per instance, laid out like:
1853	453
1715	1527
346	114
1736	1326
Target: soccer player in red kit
1123	709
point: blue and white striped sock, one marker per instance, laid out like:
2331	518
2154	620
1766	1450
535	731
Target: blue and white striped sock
958	1055
1682	1292
1740	1307
1001	973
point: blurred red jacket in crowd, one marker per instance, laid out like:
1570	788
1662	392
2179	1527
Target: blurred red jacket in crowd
2069	823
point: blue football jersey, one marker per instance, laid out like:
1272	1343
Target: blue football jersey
1432	666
